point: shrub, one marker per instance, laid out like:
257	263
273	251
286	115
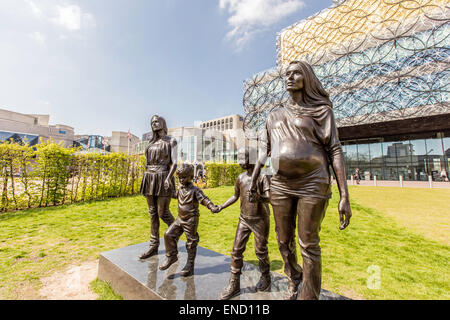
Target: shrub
221	174
52	175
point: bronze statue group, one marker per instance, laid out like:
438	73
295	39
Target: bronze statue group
301	138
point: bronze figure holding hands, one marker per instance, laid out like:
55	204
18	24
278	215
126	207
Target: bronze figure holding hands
302	140
254	218
158	183
189	197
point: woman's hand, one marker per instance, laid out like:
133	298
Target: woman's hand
345	212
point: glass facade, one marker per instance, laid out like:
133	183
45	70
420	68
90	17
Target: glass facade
203	148
24	138
396	68
415	158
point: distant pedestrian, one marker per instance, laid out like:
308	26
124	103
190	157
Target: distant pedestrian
357	176
444	176
199	172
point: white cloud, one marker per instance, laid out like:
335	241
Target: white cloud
38	37
34	8
88	20
248	17
69	17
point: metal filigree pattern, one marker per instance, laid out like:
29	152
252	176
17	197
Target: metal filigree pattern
379	60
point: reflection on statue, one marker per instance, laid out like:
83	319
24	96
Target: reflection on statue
302	141
189	197
158	182
254	218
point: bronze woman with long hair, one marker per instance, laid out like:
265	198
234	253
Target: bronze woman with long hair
302	141
158	183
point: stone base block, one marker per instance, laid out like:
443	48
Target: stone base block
136	279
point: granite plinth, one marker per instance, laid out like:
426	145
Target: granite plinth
136	279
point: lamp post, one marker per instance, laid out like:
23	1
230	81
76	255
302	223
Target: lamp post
427	162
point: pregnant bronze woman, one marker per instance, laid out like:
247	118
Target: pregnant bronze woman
302	141
158	183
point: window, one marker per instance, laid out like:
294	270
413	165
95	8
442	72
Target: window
351	158
403	152
418	152
62	131
435	157
376	160
364	161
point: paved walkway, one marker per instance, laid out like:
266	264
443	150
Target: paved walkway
406	184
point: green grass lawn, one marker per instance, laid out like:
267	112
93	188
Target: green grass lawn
425	211
37	242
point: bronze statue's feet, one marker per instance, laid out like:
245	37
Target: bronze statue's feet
264	283
292	291
169	261
188	270
232	289
149	253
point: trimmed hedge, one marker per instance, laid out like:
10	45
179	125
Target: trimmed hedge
221	174
51	175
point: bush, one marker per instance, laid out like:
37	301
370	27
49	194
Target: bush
221	174
52	175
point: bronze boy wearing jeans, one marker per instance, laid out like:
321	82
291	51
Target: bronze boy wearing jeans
189	197
254	218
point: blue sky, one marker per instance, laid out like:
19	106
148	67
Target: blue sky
109	65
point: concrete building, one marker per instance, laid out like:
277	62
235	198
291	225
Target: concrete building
118	142
224	124
30	128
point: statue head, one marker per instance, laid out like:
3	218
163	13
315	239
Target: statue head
243	157
158	123
185	173
299	76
